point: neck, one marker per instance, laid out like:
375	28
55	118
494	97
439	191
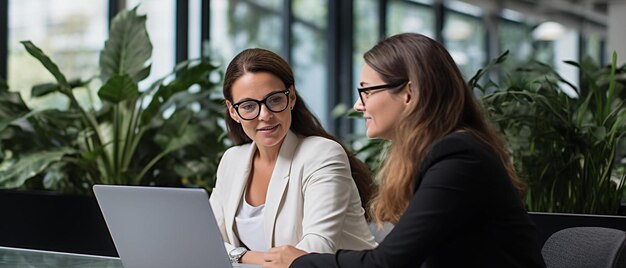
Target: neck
267	154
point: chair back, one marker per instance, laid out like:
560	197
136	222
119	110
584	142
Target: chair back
579	247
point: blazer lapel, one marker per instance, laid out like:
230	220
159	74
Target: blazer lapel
240	180
278	184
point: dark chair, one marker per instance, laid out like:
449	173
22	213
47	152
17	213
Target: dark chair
579	247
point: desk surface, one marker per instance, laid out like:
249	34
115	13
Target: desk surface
16	257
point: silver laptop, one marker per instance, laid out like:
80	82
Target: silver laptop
162	227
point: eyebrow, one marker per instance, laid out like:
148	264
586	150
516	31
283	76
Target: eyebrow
248	99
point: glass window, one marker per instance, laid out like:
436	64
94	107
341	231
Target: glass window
408	16
516	37
593	48
71	32
566	49
237	25
464	37
366	30
161	25
310	55
195	27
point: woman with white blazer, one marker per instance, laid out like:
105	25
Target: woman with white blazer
287	181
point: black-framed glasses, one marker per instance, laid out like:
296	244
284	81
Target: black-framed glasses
364	92
276	102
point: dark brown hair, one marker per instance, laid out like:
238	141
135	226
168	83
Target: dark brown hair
303	123
444	104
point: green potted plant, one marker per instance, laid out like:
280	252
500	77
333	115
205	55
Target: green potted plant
565	147
168	134
122	141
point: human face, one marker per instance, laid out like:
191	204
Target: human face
268	129
381	108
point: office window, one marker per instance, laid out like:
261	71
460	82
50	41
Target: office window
366	31
71	32
237	25
464	37
517	39
593	48
409	16
161	25
310	54
566	48
195	26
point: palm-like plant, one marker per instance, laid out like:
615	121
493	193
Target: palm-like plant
126	141
564	146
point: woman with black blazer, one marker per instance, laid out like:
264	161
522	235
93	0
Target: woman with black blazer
447	184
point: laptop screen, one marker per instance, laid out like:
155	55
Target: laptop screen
162	227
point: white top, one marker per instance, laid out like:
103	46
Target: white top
311	203
249	222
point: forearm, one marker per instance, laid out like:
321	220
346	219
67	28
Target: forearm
253	257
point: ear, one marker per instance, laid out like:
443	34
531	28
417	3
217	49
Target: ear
232	112
408	92
292	97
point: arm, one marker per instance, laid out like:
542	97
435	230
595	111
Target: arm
217	200
327	189
441	208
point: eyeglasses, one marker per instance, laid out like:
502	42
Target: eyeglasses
364	92
275	102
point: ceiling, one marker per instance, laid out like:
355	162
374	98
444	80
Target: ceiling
586	15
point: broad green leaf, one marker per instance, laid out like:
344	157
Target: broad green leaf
185	79
44	89
191	135
47	88
47	63
173	128
54	175
119	88
128	49
29	166
11	105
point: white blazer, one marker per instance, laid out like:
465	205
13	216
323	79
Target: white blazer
312	201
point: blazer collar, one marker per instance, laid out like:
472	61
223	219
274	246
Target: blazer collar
278	184
276	188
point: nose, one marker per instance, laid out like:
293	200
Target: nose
358	106
265	113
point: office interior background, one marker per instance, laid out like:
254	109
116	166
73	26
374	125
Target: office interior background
322	39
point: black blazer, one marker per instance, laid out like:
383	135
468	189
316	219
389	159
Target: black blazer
464	213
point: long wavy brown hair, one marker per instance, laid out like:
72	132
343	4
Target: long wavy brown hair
303	123
443	103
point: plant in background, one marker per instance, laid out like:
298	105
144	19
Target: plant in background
565	147
166	134
371	151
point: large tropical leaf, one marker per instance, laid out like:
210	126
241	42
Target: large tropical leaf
186	78
28	166
119	88
47	88
11	107
48	64
128	49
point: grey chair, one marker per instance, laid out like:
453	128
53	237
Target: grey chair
593	247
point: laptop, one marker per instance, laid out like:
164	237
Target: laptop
163	227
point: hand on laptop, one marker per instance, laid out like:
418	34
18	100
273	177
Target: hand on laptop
282	256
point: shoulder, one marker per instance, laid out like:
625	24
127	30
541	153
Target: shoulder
317	144
461	152
458	144
236	151
315	151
